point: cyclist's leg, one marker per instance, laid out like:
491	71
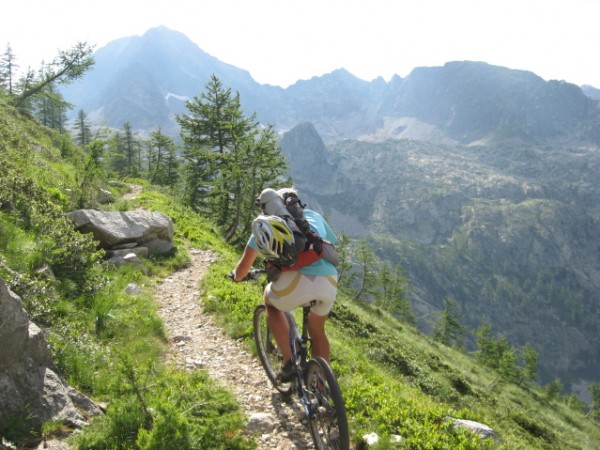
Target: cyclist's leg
278	299
278	325
319	340
325	292
293	289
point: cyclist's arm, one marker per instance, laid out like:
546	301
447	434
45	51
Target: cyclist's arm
245	263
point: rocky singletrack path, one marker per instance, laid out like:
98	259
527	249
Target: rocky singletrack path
196	342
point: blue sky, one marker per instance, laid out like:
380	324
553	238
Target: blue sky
280	42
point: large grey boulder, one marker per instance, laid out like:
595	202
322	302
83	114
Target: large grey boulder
28	380
480	429
141	232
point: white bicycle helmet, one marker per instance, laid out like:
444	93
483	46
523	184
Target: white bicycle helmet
274	240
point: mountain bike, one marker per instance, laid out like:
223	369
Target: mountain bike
313	383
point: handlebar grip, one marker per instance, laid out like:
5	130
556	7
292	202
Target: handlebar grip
252	275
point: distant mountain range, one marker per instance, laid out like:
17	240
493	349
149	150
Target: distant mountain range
591	92
480	181
145	80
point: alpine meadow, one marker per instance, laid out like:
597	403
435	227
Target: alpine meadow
465	200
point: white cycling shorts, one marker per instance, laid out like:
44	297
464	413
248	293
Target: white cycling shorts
294	289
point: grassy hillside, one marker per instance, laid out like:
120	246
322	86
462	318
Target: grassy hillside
508	231
396	381
107	343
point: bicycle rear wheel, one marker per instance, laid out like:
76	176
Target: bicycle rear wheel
327	419
266	347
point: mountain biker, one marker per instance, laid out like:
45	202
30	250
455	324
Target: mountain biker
294	288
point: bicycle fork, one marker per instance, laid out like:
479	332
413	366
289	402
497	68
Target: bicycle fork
299	344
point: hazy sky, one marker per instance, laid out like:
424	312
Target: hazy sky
280	42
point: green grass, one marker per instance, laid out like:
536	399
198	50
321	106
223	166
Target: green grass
188	411
396	381
105	342
108	343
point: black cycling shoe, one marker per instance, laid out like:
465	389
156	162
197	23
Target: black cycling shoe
287	372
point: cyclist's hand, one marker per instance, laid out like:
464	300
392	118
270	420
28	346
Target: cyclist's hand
253	275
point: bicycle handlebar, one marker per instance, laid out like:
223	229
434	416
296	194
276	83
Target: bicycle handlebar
253	274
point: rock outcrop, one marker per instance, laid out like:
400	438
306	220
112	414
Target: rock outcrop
127	235
29	384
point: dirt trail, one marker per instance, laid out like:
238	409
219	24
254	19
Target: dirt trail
196	342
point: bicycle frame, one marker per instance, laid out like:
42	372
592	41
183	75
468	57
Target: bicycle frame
313	382
299	342
299	346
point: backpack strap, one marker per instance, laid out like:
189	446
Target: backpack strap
305	258
295	208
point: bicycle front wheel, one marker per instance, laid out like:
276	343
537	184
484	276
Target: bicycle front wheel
266	347
327	419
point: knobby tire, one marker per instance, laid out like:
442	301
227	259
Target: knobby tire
328	422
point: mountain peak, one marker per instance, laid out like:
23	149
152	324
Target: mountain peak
463	101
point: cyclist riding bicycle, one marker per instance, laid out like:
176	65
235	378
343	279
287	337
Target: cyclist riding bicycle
293	288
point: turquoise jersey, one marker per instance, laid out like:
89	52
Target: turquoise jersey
322	228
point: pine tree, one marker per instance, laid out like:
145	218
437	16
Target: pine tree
67	67
228	158
83	133
368	279
497	354
205	136
485	344
530	357
400	288
394	287
507	364
172	164
24	83
92	173
385	282
345	274
258	165
8	69
131	149
162	161
49	106
117	160
448	328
